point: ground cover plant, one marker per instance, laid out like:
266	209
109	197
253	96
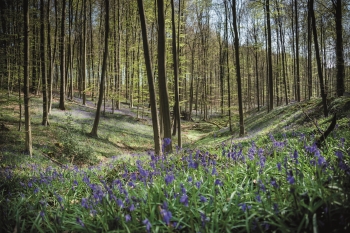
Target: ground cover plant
273	180
284	185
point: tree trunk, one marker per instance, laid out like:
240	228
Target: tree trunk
269	55
238	71
62	65
318	59
339	47
148	63
163	87
93	132
176	75
28	130
297	51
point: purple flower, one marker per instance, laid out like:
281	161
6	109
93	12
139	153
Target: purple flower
204	219
169	178
42	214
189	179
120	203
339	154
132	207
214	171
279	166
202	199
295	156
166	216
184	200
80	221
218	182
127	218
244	206
258	198
36	190
198	184
274	183
84	203
147	224
290	178
167	142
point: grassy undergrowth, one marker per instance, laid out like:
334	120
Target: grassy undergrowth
275	180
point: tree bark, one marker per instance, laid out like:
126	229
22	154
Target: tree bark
28	130
163	87
148	63
93	132
176	76
339	47
318	59
43	64
238	71
269	55
62	56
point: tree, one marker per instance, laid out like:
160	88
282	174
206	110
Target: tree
28	130
269	55
163	86
238	72
176	75
318	59
93	132
148	63
45	121
62	56
339	46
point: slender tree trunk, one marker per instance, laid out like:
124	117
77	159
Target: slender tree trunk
318	59
176	75
28	130
238	71
269	55
150	78
339	47
163	86
62	55
43	63
93	132
297	50
83	69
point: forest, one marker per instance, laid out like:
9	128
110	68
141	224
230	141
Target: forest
174	116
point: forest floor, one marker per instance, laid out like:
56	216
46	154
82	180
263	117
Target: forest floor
128	131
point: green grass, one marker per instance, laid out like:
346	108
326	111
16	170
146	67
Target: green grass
272	180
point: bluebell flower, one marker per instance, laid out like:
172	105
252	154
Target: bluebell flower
244	206
274	183
147	224
132	207
295	156
218	182
42	214
204	219
290	178
183	190
166	214
169	178
120	203
258	198
167	142
84	203
80	221
202	199
184	200
198	184
127	218
189	179
213	172
279	166
339	154
36	190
